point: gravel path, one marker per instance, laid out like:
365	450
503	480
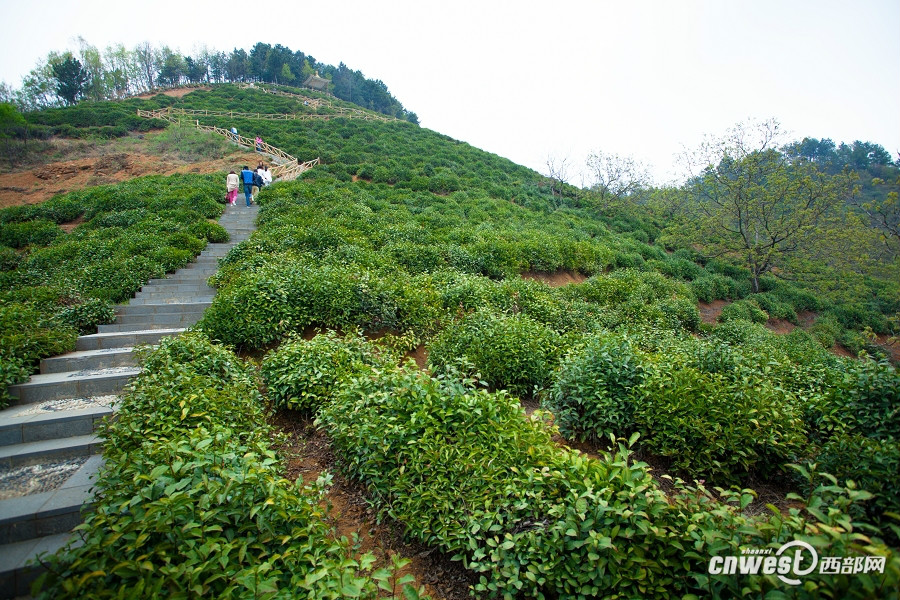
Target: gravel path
66	404
34	479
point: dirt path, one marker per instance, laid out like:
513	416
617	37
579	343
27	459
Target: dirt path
308	453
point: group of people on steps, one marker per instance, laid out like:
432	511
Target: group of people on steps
252	181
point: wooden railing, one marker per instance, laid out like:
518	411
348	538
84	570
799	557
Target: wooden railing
170	113
288	169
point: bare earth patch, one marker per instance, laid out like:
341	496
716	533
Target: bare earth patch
42	182
557	279
308	454
710	311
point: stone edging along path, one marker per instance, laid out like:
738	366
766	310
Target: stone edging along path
49	451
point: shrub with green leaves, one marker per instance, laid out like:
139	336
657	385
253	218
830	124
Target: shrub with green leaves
710	425
591	396
743	310
869	396
873	465
513	352
207	514
305	374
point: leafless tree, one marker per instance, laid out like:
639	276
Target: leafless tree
615	177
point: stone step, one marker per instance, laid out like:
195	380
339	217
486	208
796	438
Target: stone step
180	278
151	309
175	286
72	384
34	423
173	299
16	575
33	453
49	512
174	317
125	339
89	359
125	327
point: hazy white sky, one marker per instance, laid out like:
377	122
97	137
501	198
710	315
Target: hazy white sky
527	79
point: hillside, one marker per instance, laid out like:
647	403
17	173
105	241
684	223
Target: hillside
406	243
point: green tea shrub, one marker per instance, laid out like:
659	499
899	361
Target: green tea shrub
591	394
715	287
743	310
869	393
211	232
513	352
9	258
208	515
775	307
873	465
679	268
28	332
259	306
305	375
87	314
826	330
40	232
741	332
710	425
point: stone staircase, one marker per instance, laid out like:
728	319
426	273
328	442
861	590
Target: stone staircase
49	451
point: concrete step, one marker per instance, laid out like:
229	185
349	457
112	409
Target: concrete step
15	577
187	321
72	384
89	359
173	299
163	308
173	317
49	512
29	423
178	288
125	339
33	453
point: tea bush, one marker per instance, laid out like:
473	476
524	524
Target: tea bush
513	352
591	395
743	310
305	375
709	425
207	513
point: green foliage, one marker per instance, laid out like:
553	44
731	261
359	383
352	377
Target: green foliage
873	465
507	351
591	395
711	425
869	395
464	470
86	315
743	310
20	235
208	515
304	375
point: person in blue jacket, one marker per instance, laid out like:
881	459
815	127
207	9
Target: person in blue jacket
247	179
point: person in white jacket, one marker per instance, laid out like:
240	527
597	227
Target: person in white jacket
231	186
266	175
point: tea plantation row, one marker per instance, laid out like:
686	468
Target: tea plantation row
464	469
191	504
